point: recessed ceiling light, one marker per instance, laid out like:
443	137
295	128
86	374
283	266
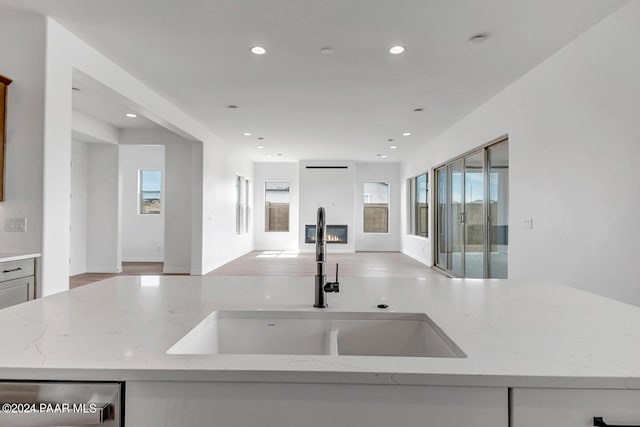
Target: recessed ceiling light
406	134
233	107
258	50
327	51
417	110
396	50
260	138
131	115
390	140
279	154
247	134
75	89
382	156
260	147
269	156
478	38
393	147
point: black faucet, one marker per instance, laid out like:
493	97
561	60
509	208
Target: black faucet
322	286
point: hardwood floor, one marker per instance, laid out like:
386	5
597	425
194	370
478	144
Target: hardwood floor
128	269
359	264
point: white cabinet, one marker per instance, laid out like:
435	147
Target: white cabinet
17	282
574	408
194	404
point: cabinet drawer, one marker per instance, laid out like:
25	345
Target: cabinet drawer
16	291
574	408
15	269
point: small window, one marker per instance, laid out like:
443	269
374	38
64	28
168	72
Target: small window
376	207
418	205
150	191
276	199
242	205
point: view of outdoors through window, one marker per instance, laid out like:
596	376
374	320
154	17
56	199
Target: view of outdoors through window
418	206
421	206
276	198
242	205
376	207
150	189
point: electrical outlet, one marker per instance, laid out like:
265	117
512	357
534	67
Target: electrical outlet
18	225
528	223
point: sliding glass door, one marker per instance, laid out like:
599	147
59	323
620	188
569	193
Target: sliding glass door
472	196
455	223
498	171
474	217
441	214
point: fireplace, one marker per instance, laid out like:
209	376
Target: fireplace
335	234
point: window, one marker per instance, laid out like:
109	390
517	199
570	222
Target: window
149	190
418	206
376	207
276	200
242	205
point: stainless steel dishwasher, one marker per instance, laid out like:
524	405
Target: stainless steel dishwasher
61	404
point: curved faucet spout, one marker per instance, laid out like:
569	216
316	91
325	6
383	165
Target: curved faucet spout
321	239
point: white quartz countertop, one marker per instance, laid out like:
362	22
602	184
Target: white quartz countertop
5	257
514	334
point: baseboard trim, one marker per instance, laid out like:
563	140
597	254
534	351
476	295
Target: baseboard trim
176	270
420	260
143	259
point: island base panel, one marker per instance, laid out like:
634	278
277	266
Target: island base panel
170	404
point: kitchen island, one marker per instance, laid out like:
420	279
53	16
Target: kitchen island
533	351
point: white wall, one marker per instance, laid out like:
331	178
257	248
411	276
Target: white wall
142	235
573	132
332	189
22	47
178	209
103	210
212	196
275	172
79	188
221	244
378	172
96	129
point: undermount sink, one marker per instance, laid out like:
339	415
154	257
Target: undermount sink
317	333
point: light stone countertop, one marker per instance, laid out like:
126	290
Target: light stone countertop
6	257
515	334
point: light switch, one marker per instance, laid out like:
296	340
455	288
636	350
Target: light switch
18	225
528	223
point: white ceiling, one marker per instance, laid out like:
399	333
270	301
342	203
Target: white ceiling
309	105
100	102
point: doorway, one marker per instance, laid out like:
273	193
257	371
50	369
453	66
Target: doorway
472	213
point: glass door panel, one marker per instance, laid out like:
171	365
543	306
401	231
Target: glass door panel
441	214
498	172
474	216
455	229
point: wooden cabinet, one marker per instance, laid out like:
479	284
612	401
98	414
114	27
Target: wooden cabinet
200	404
17	282
4	82
574	408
